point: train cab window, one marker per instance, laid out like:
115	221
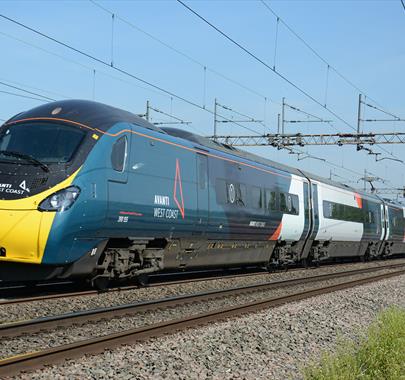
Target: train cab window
48	143
119	154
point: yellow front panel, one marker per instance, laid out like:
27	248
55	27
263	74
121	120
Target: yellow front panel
20	234
24	230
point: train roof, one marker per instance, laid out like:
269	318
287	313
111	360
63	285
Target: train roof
93	114
253	157
102	116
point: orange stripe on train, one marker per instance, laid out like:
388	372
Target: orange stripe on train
358	200
276	233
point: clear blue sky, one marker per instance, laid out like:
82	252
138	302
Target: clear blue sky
364	40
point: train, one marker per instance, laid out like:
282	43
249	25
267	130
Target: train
89	191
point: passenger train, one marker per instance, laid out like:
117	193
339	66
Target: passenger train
89	191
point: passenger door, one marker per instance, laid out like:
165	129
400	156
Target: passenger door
314	219
119	195
202	193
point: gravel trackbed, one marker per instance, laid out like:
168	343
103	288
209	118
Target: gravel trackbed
272	344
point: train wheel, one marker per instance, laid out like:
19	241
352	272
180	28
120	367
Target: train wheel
305	263
101	283
142	280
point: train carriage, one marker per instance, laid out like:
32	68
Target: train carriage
91	191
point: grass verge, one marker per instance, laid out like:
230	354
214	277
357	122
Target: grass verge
379	354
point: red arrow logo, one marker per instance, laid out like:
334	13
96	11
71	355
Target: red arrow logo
178	187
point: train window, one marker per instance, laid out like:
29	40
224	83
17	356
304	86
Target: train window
338	211
283	202
240	194
202	168
328	209
256	196
231	193
294	204
221	191
271	200
47	142
289	203
370	217
119	154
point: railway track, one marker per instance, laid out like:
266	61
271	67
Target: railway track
91	292
36	359
55	294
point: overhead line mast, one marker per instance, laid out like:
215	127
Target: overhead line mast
274	70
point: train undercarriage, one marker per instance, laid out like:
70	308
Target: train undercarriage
135	258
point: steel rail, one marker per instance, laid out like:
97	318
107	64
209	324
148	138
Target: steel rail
29	361
92	292
126	288
83	317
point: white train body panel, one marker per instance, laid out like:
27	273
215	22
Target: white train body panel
293	225
336	230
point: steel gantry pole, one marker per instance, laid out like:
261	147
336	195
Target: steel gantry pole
215	119
282	115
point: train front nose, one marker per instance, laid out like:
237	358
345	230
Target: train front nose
21	235
18	235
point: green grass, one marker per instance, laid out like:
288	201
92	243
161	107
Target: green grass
378	355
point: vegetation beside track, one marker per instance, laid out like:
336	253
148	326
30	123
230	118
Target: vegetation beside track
377	354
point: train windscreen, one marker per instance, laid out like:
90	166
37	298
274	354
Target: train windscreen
45	142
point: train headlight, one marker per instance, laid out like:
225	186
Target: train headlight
61	200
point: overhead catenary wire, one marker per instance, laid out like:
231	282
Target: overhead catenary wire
30	87
274	70
167	114
262	62
305	113
116	68
132	25
23	96
249	118
331	67
89	68
330	163
126	73
27	91
397	118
